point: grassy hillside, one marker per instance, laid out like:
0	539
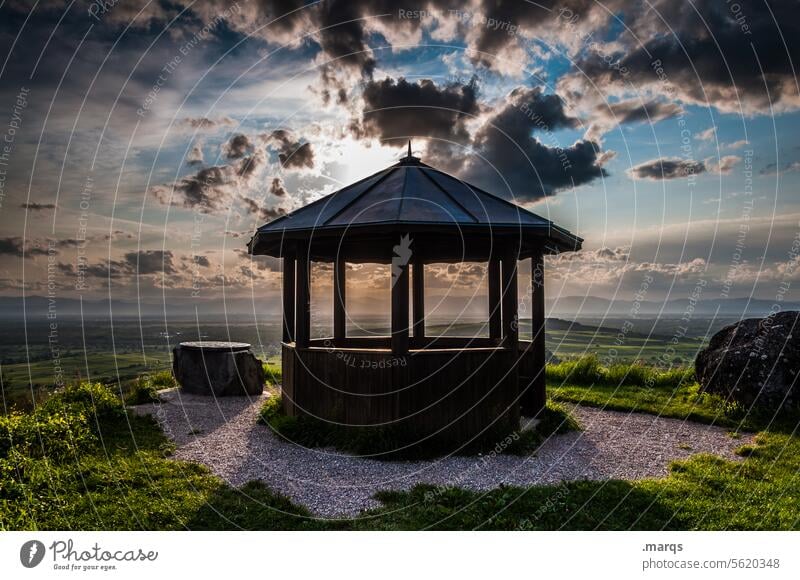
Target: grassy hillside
81	461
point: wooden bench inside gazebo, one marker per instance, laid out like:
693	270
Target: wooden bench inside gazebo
451	389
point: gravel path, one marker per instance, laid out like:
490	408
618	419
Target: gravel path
223	434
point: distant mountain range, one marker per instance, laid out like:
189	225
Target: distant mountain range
39	306
577	306
570	307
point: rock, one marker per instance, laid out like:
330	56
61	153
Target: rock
221	369
765	372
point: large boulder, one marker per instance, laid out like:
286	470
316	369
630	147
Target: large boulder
221	369
754	362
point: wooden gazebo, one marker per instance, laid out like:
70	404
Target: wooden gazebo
449	388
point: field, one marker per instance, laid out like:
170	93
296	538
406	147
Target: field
115	353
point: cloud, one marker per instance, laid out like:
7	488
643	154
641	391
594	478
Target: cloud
724	166
237	147
704	57
772	168
209	190
736	144
512	156
706	135
150	262
13	246
394	110
263	212
666	168
609	116
37	206
249	166
206	124
342	36
132	264
600	255
293	154
195	156
277	188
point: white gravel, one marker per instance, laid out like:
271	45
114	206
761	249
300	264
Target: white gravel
223	435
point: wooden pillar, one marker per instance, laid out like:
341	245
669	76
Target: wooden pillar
303	313
288	298
399	309
418	299
535	397
510	300
339	301
495	311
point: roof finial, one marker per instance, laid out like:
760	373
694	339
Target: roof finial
409	147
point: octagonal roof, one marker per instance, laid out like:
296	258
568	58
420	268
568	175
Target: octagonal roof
412	194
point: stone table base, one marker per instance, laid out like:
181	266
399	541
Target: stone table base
221	369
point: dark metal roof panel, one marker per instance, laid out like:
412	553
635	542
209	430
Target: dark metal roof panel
378	204
485	207
424	201
318	212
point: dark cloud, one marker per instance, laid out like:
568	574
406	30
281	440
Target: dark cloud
204	123
213	188
395	110
265	213
277	188
14	247
133	264
634	110
38	206
497	29
342	36
292	153
208	190
705	56
666	168
249	165
512	157
609	115
237	147
150	262
772	168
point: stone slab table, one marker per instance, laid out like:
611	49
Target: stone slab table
217	368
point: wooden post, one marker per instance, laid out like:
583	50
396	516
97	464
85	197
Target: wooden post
495	312
288	298
303	313
510	300
399	309
418	281
535	397
339	301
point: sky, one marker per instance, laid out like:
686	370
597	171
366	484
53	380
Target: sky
142	142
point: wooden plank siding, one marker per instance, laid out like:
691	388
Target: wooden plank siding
450	395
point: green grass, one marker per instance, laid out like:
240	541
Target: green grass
82	462
392	443
587	370
273	372
103	365
673	393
